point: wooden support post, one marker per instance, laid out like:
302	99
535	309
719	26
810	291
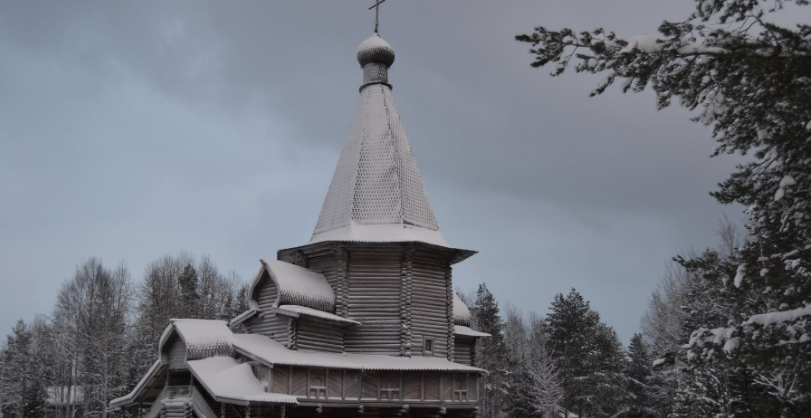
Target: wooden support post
343	384
422	385
270	379
467	386
248	410
282	412
222	409
360	385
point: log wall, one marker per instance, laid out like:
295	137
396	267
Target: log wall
175	352
313	334
463	350
273	326
374	300
429	302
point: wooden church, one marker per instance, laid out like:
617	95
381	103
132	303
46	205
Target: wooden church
360	321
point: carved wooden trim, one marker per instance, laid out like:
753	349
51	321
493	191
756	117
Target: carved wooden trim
449	296
342	290
406	287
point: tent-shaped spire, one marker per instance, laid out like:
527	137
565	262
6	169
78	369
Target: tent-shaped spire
376	194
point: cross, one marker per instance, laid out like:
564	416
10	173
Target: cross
377	12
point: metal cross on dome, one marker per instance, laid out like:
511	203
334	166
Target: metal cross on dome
376	6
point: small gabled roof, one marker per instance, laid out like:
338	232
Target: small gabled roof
226	380
197	333
461	314
296	286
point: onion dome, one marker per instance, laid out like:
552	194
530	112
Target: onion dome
375	50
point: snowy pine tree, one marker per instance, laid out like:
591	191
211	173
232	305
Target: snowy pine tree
747	350
638	372
490	352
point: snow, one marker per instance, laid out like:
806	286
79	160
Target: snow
645	43
461	314
658	361
298	284
653	43
740	274
778	317
374	41
779	194
787	181
731	344
229	381
460	330
296	310
272	352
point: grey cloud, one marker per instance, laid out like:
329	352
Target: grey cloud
135	129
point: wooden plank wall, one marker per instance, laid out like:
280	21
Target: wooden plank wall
313	334
175	350
267	293
429	301
414	386
374	300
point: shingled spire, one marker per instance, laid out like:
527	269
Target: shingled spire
376	194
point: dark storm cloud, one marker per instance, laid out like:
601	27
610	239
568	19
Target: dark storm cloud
135	129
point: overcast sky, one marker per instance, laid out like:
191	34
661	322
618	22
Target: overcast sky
133	130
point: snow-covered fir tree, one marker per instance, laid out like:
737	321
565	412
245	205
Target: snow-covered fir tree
591	358
490	352
747	337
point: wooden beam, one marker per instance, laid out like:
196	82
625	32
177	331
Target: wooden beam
422	385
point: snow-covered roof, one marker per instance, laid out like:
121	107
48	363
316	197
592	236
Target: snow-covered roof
126	399
295	311
376	193
242	317
197	333
462	330
296	286
461	314
269	351
229	381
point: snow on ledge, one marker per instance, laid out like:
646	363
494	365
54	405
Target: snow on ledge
270	351
356	232
296	310
467	332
